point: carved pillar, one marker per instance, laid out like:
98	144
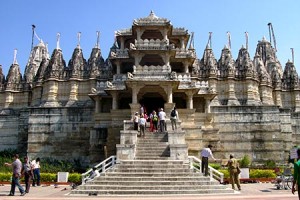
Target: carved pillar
278	101
8	98
186	67
232	100
98	104
297	100
250	93
52	94
73	91
138	34
189	99
182	46
207	105
213	86
114	95
169	91
122	43
135	90
118	67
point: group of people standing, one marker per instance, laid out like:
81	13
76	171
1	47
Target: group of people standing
29	169
157	120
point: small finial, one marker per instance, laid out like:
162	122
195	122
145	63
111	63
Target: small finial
57	40
78	38
98	36
209	40
15	62
247	38
292	49
229	40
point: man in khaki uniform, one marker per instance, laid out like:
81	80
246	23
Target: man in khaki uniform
233	172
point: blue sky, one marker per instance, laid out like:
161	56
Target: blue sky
199	16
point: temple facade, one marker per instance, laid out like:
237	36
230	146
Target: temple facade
76	110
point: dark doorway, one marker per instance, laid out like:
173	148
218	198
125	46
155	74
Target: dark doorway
152	103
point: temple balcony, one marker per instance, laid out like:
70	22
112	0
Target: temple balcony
119	53
151	45
183	53
151	69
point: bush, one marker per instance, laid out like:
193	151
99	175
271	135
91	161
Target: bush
74	178
5	176
262	173
245	162
216	166
270	164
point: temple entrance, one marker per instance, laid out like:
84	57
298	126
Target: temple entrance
152	101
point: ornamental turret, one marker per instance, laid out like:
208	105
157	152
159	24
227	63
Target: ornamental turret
77	64
226	66
2	79
290	80
208	64
56	65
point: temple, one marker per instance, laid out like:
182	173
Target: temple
78	109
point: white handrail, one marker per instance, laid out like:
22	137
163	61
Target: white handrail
213	173
101	167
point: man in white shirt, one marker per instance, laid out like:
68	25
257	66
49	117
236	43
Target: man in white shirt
162	120
142	123
205	154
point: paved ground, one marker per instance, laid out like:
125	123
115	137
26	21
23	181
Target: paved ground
249	191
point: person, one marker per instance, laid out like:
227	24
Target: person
162	120
36	172
154	121
296	175
205	154
93	174
136	121
27	171
142	124
16	174
233	166
174	118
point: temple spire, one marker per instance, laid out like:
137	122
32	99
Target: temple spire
229	39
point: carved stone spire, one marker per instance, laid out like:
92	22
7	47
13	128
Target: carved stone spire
14	78
259	66
38	53
77	64
290	79
2	79
56	65
96	63
244	65
208	63
41	71
226	66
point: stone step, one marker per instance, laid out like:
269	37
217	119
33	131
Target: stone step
102	192
200	179
150	187
151	148
149	166
152	174
157	153
152	157
151	183
153	162
143	170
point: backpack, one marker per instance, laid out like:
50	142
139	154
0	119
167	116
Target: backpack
173	113
155	118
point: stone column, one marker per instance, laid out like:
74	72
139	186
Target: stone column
114	95
122	43
73	91
182	46
98	104
297	100
118	67
207	105
189	99
232	100
278	101
186	67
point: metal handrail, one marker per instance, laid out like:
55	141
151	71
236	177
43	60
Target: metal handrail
101	167
213	173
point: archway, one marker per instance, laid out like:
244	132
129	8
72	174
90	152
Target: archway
152	101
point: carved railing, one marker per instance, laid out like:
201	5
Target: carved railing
184	77
151	69
151	45
185	53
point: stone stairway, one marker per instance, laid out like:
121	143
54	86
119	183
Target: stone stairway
151	173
